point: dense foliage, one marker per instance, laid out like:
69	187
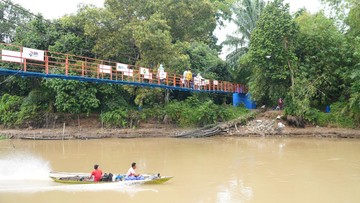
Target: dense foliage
177	34
189	113
310	59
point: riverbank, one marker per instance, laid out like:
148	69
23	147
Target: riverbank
91	132
96	133
264	125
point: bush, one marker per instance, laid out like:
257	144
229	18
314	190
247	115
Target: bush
9	107
335	118
193	113
122	118
188	113
341	118
174	110
30	116
16	111
156	113
115	118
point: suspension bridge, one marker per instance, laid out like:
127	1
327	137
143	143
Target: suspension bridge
29	62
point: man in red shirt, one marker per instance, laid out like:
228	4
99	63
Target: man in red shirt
280	103
97	173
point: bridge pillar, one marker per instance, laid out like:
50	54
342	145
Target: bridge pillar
243	99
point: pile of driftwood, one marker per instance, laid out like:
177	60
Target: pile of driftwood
217	129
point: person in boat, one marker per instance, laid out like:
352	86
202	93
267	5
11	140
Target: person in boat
96	173
131	172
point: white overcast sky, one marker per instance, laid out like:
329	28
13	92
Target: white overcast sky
51	9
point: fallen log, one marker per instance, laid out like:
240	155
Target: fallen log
217	129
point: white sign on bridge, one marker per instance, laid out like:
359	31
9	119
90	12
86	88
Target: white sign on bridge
13	56
33	54
129	72
104	69
121	67
146	73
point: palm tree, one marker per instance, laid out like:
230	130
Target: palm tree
246	13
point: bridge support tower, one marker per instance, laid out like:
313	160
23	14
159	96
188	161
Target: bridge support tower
243	99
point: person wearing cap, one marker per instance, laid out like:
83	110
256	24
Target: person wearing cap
96	173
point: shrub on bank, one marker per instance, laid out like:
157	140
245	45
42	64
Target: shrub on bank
116	118
194	113
121	118
9	107
336	118
16	111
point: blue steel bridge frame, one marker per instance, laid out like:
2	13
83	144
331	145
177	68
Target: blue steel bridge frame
4	71
238	98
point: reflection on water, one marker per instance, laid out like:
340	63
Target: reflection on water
206	170
234	190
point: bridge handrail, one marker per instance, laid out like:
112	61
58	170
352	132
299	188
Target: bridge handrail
69	64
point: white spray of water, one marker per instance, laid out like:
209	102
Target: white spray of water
23	166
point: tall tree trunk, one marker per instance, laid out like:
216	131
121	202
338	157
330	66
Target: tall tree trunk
291	74
289	66
167	96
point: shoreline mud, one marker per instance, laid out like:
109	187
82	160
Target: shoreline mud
150	132
264	125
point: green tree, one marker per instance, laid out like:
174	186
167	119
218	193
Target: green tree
149	29
73	96
12	16
272	53
74	39
352	20
153	38
16	85
246	14
112	96
353	106
321	52
223	8
38	33
348	12
190	20
206	61
353	75
9	107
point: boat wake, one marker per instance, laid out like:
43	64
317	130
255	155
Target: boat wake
47	186
23	166
22	172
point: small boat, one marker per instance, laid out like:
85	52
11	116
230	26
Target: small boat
83	178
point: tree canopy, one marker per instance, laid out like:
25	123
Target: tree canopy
310	59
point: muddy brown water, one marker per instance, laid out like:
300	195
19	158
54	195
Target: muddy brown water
205	170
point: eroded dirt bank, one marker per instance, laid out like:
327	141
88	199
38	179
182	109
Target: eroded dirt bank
264	125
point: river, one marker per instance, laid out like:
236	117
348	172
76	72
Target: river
205	170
